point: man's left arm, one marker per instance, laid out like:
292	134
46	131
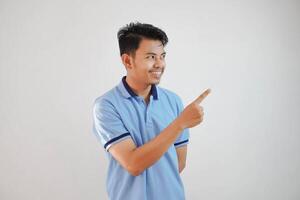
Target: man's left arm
181	155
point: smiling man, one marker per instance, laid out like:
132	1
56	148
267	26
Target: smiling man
143	127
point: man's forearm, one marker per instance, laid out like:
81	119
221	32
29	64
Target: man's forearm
146	155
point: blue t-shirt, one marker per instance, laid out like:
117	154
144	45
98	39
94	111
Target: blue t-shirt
119	114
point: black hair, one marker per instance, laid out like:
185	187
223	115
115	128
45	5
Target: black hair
130	36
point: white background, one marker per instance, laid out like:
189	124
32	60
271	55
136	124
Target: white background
57	56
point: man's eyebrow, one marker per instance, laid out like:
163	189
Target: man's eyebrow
151	53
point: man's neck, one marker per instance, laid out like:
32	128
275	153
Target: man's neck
139	89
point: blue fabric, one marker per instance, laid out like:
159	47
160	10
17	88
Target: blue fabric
120	114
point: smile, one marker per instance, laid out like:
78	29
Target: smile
156	72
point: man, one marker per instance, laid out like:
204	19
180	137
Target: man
143	127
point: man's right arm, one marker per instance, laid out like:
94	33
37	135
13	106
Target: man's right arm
136	159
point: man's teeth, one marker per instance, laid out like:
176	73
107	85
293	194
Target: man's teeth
156	72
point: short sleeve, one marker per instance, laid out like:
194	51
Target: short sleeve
183	138
107	124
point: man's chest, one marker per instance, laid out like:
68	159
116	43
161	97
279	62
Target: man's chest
144	122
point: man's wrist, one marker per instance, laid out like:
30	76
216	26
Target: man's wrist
179	126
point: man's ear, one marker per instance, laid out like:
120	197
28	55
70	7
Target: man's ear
127	60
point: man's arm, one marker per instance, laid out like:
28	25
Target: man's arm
136	159
181	155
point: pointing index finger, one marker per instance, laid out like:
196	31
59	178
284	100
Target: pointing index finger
202	96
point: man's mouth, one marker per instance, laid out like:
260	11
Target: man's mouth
156	72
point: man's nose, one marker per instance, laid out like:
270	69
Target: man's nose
159	63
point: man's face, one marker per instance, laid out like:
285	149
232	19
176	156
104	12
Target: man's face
149	62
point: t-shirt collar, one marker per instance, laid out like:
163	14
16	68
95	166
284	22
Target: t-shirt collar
130	92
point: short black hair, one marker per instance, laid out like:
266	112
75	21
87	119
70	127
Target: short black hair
130	36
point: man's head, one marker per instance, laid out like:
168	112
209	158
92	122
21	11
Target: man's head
142	52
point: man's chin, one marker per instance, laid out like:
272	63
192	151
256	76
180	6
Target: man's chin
155	81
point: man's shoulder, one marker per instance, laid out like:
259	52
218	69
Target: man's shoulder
171	98
108	97
166	93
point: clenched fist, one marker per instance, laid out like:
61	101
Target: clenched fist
193	114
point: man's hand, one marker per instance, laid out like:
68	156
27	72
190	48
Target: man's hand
193	114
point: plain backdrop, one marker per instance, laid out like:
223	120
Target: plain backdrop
58	56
